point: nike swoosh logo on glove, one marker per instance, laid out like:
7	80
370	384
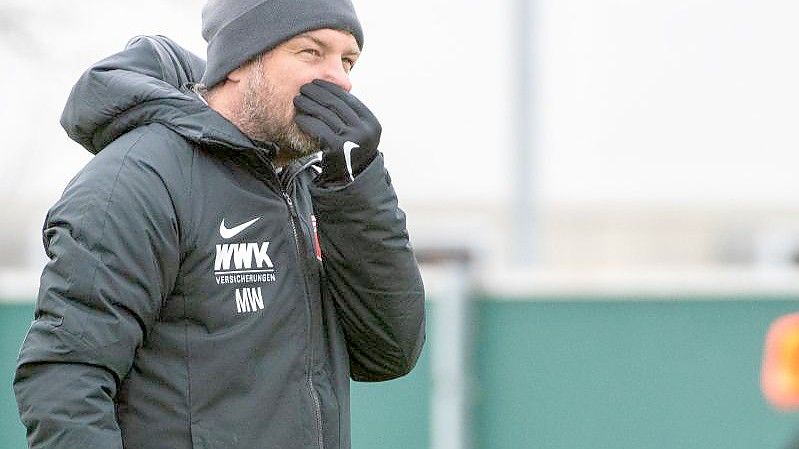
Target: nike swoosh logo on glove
348	147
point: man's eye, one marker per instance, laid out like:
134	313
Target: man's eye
348	63
312	52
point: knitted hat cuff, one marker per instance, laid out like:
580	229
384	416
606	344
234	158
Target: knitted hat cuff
267	25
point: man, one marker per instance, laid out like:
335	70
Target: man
213	283
780	371
779	376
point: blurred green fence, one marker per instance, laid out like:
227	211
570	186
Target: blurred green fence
567	374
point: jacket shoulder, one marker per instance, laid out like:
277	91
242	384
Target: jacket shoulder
150	152
153	144
146	169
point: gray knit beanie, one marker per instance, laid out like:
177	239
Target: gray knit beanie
239	30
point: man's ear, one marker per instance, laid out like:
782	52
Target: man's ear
239	74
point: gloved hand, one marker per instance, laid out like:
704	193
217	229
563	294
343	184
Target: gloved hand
347	129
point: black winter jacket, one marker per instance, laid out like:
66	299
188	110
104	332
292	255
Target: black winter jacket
188	302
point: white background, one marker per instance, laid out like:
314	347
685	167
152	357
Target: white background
679	101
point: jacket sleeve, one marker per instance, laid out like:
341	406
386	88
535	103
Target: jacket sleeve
372	274
113	249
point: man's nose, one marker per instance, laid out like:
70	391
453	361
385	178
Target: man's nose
335	73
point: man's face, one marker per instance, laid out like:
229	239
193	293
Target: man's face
271	82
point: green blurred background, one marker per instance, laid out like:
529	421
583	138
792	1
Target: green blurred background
566	374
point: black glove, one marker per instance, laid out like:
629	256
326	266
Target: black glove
347	129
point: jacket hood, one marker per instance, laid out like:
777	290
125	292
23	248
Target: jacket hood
148	82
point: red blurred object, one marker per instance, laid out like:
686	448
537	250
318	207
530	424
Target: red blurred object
780	376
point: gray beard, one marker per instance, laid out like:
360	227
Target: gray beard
259	117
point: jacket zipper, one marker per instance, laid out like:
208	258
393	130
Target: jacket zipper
309	366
